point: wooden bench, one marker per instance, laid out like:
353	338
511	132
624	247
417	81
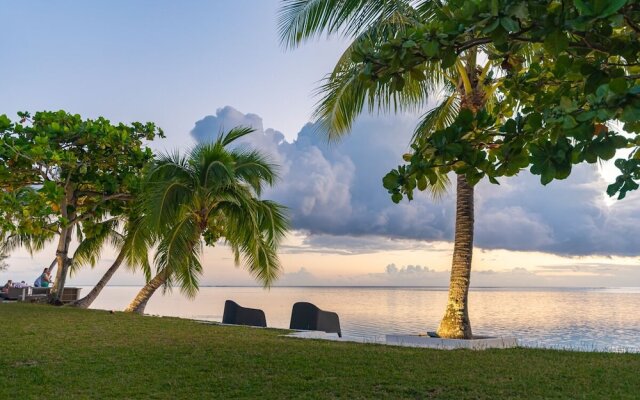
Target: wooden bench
69	295
19	294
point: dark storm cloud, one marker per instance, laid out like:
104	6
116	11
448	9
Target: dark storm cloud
335	194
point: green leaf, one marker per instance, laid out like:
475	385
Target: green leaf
611	7
509	24
630	114
556	42
614	187
422	183
519	10
396	197
534	120
585	116
391	180
568	122
510	126
548	174
618	85
563	171
5	122
449	59
584	8
409	43
465	116
492	26
606	149
431	48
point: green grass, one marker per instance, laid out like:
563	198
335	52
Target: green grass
49	352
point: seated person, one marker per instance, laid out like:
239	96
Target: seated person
43	280
5	289
22	284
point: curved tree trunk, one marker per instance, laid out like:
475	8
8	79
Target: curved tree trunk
456	324
53	265
140	302
86	301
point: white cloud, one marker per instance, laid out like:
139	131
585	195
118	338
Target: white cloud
335	192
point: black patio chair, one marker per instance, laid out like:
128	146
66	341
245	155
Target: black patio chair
237	315
306	316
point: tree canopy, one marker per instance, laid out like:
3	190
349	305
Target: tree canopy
568	87
59	171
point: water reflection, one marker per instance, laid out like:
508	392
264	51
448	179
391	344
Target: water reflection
587	319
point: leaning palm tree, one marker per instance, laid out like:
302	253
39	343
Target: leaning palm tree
345	96
128	235
211	194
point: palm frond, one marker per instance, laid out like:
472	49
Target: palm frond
178	255
255	169
234	134
138	241
90	248
301	20
345	96
438	118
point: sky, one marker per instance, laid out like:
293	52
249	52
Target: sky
199	67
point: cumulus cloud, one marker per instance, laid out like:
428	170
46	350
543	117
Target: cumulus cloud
335	192
391	269
336	189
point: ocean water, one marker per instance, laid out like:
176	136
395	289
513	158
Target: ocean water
586	319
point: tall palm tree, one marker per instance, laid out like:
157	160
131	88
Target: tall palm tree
213	193
344	96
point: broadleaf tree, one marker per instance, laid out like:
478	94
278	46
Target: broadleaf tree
568	73
465	83
577	101
562	107
73	170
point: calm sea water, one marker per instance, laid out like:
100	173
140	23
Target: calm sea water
603	319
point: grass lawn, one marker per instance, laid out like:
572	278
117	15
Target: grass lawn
49	352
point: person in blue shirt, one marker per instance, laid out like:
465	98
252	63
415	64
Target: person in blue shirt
44	280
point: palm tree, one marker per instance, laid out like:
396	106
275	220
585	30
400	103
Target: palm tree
344	96
132	244
211	194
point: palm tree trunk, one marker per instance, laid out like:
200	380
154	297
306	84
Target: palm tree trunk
53	265
86	301
140	302
456	324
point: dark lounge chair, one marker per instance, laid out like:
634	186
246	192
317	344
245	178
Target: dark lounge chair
236	315
308	317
